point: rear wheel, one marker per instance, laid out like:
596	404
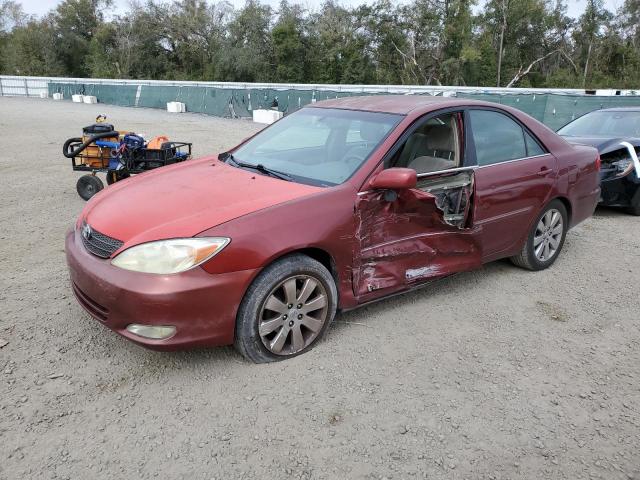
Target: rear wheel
545	241
286	310
88	185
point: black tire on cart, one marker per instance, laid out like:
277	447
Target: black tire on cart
88	186
114	176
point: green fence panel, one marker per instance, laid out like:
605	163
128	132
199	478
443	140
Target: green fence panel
67	89
554	110
532	104
216	102
155	96
123	95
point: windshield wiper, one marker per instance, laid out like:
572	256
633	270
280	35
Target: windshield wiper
230	159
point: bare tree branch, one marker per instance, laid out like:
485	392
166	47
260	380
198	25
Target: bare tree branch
411	60
522	73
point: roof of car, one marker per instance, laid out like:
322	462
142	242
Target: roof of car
402	104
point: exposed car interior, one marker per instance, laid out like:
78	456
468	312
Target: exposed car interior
433	147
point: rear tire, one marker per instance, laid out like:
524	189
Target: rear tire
546	238
286	310
88	185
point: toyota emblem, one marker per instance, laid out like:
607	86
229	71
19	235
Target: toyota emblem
86	231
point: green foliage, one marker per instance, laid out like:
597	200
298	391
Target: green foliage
437	42
287	36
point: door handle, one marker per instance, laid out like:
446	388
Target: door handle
544	171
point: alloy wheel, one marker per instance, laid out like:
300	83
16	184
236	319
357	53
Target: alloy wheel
548	235
293	315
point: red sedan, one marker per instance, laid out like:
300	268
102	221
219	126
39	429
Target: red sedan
339	204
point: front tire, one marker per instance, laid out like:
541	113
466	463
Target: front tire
286	310
545	241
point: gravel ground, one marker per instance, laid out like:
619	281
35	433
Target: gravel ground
495	374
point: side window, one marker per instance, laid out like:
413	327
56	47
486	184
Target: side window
533	147
497	137
433	146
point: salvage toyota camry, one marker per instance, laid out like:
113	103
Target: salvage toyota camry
339	204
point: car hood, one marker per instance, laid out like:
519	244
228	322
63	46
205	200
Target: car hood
603	144
185	199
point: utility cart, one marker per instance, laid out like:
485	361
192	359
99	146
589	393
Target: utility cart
119	154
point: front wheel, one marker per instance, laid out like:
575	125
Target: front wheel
546	238
286	310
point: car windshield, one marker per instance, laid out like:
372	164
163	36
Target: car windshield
318	146
604	124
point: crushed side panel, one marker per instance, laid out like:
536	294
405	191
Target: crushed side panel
408	241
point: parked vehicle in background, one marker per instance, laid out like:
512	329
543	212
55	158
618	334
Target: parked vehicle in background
339	204
615	132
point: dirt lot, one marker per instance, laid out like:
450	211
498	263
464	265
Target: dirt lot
494	374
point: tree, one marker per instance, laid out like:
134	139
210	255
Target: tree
289	44
428	42
11	16
75	23
31	50
588	33
247	53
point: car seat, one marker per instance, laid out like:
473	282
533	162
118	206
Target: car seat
433	150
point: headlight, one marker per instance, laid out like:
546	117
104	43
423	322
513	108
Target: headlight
623	167
169	256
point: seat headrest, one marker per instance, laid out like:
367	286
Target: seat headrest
439	137
371	132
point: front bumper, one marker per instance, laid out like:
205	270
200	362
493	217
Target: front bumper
200	305
619	191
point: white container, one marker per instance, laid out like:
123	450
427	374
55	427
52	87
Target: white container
176	107
77	98
58	96
44	95
606	92
266	116
89	99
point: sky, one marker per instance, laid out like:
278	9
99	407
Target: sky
40	7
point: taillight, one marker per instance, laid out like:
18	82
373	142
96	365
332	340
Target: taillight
598	162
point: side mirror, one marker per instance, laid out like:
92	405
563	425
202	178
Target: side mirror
395	179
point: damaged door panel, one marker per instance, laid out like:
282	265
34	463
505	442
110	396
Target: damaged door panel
416	234
452	194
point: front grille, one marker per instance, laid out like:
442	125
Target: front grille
90	305
98	243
